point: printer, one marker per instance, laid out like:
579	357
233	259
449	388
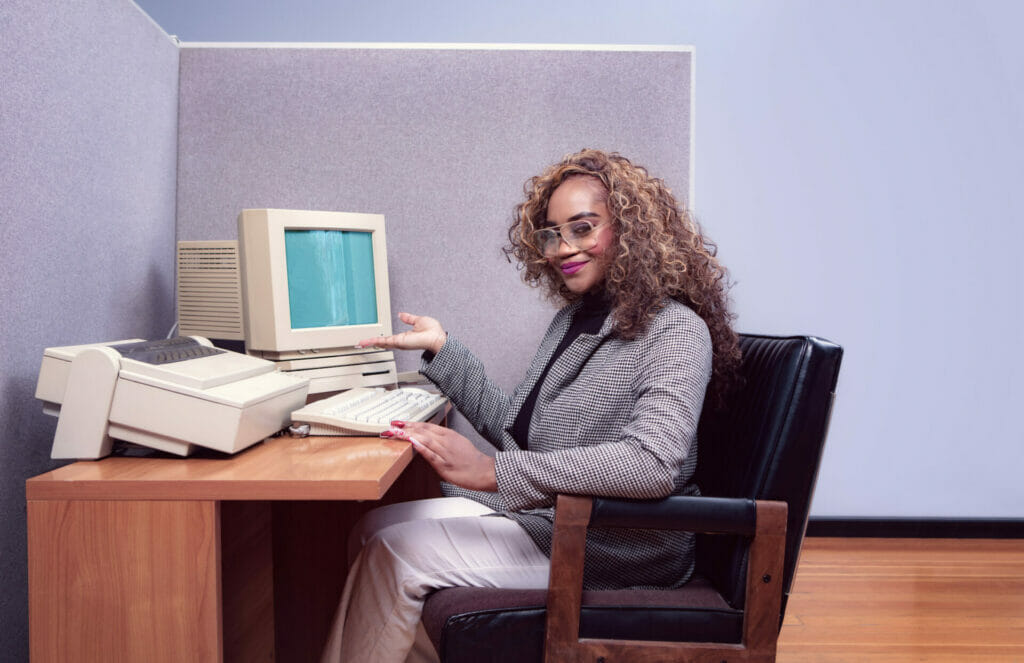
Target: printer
171	395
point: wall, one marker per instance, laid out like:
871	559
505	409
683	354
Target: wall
87	132
856	163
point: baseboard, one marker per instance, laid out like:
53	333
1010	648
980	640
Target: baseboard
918	528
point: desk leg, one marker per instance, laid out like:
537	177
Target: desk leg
247	579
125	581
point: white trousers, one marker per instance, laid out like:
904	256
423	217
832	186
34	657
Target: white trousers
410	549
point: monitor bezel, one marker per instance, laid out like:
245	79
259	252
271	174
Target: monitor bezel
267	320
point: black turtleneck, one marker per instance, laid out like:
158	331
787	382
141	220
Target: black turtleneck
586	320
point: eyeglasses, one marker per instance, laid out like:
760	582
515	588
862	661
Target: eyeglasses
575	233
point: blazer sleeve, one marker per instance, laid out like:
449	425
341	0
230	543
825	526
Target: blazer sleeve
461	377
643	461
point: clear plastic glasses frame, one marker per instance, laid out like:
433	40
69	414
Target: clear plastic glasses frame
574	233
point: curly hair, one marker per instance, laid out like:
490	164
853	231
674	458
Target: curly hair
660	252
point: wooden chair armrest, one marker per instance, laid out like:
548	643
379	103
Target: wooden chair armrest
573	515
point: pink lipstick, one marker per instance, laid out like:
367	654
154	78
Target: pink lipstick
572	267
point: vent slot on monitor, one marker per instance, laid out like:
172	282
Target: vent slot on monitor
210	290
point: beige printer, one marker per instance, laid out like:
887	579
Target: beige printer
169	395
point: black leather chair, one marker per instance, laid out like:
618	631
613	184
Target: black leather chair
757	466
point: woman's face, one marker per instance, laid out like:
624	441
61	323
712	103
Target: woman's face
582	262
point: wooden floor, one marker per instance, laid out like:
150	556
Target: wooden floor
875	600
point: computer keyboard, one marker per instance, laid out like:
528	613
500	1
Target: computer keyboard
366	411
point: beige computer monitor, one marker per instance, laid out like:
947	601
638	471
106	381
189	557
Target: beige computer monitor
312	281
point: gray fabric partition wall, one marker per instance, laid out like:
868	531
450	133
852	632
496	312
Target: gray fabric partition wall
439	140
88	127
112	137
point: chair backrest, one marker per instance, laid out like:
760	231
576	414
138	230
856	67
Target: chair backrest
766	443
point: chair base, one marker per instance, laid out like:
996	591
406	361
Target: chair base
484	624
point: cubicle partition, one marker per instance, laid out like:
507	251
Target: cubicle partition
88	154
439	139
117	141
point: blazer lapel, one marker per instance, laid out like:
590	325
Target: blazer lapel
555	332
559	326
567	367
564	370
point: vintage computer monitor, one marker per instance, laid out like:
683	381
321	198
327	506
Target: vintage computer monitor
300	288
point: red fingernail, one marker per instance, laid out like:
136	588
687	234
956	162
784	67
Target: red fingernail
398	424
386	433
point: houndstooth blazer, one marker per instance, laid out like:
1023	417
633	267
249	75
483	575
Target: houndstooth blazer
613	418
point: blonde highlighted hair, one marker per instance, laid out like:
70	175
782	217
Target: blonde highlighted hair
660	252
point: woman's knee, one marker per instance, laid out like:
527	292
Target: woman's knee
383	517
394	562
394	543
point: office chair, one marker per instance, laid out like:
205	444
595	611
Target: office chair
757	465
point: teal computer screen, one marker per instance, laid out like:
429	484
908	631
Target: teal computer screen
330	278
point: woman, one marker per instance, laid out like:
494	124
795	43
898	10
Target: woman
609	406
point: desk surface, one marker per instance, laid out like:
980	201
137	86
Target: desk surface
284	468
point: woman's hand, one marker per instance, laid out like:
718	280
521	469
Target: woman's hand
452	455
426	334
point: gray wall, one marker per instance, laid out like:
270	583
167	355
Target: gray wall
439	141
87	132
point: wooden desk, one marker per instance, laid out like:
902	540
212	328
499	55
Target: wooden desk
203	559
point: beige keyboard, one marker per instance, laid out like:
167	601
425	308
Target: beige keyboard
365	411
